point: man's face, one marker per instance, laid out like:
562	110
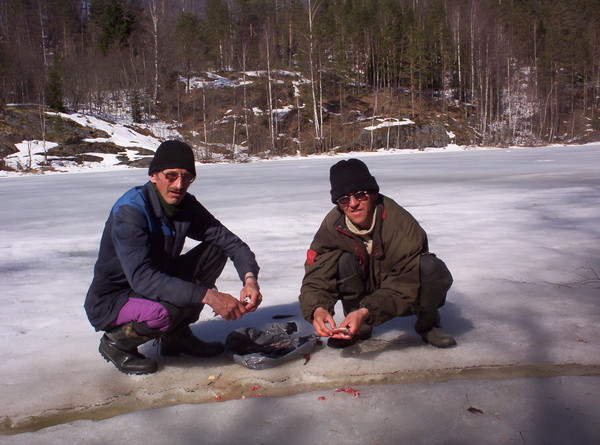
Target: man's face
360	208
172	183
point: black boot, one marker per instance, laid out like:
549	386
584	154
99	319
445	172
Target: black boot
183	341
119	346
364	333
428	327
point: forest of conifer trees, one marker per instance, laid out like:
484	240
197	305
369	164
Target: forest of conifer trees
518	70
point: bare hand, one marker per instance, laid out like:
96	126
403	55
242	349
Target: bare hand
321	319
224	305
353	322
250	296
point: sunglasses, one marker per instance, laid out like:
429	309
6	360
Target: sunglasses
359	196
186	178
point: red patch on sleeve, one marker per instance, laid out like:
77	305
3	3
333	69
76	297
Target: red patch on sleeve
310	256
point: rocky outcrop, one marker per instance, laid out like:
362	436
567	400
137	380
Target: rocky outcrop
402	134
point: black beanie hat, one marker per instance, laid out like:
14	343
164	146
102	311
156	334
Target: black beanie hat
173	154
350	176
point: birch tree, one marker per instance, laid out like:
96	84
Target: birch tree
313	7
155	8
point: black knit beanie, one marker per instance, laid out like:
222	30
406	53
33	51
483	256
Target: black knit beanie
350	176
173	154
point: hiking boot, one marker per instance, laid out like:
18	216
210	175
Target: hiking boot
439	338
119	346
340	343
185	342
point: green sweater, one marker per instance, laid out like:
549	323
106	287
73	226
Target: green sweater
170	210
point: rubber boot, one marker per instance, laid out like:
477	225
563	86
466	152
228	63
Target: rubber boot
183	341
428	327
119	346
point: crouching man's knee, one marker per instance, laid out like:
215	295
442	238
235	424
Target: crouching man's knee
436	280
351	281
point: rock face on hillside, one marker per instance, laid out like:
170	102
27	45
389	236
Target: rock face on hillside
26	123
409	136
67	140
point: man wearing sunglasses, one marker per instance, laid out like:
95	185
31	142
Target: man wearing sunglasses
145	288
371	254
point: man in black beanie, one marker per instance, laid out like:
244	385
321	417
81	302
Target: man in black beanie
144	287
371	254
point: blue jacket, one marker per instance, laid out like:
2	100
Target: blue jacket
138	249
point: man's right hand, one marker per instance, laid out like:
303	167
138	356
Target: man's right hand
225	305
322	318
352	322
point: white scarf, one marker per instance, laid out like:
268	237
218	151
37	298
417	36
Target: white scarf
364	234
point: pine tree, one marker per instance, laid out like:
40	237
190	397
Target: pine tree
189	42
115	21
54	94
218	33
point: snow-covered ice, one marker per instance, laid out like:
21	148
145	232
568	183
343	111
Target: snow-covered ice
518	228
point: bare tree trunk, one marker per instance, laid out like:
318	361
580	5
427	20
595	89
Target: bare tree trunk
548	109
43	123
472	86
372	141
43	87
318	131
299	123
233	137
443	68
412	86
573	99
178	103
204	115
246	123
188	76
43	41
155	19
461	96
245	93
270	95
30	162
387	140
595	93
554	118
320	99
290	43
512	128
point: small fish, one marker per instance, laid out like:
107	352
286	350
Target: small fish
344	331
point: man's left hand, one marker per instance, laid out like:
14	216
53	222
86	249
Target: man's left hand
353	322
250	295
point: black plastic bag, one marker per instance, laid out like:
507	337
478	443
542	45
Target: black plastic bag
258	349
